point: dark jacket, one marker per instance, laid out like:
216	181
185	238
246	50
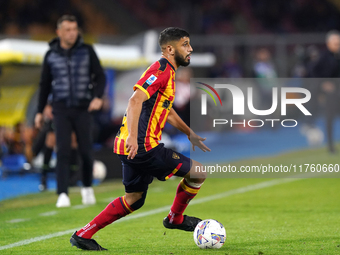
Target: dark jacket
73	77
328	66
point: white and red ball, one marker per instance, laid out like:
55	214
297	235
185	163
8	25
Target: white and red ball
209	234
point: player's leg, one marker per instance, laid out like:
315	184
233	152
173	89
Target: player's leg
63	130
186	191
48	150
39	142
115	210
83	130
74	176
136	186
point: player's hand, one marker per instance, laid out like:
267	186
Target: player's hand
131	147
48	112
96	104
196	140
38	120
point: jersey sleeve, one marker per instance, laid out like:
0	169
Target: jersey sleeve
151	81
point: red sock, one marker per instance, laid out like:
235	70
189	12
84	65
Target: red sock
183	196
117	209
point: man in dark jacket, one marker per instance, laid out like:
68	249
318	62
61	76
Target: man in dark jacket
72	73
328	68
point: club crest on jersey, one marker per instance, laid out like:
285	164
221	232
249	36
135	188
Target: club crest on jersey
151	79
175	156
166	104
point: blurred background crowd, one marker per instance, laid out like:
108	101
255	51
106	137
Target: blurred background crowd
197	16
249	39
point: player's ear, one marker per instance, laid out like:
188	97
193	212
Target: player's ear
171	49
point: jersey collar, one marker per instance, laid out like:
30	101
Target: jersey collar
172	66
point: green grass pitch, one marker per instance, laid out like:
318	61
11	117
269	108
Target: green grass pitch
300	216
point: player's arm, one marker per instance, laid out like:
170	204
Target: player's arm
99	81
45	89
177	122
133	111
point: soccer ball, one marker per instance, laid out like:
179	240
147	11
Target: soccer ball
99	170
209	234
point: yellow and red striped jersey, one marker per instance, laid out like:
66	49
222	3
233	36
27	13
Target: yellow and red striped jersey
158	83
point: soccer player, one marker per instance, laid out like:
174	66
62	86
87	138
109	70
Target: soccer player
137	145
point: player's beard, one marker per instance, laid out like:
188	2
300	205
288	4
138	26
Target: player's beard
180	61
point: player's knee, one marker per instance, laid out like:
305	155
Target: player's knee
139	203
197	173
203	173
135	200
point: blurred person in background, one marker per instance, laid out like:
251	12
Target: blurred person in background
307	62
265	73
328	68
15	139
78	85
306	59
312	57
264	68
3	144
46	142
230	68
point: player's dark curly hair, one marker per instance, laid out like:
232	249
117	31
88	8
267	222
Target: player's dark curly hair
171	34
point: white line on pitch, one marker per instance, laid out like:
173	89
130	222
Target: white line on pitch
241	190
17	220
77	207
51	213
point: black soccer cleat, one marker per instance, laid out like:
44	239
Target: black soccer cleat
85	244
189	223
